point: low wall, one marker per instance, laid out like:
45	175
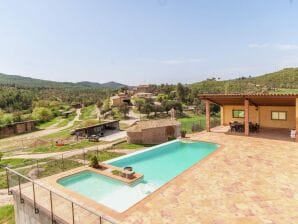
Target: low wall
25	213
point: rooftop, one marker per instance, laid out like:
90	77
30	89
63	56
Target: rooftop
142	125
260	99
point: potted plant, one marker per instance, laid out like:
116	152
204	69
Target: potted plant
183	134
94	162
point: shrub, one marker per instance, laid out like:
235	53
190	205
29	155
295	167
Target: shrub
42	114
94	162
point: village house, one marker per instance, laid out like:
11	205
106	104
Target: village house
17	128
119	99
275	114
153	131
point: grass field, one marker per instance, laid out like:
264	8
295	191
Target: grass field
7	214
15	163
188	121
49	123
126	145
86	112
101	155
76	145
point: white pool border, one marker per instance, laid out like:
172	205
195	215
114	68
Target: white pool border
141	151
154	147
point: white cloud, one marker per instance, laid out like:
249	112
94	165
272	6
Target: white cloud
181	61
265	45
283	47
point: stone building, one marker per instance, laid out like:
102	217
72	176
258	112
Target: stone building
17	128
153	131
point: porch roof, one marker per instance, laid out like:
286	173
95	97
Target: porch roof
254	99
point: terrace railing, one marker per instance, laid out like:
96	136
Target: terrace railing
201	124
49	201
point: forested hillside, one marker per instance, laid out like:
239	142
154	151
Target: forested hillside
285	81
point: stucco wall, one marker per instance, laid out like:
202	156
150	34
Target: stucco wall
151	135
24	213
262	115
265	115
228	114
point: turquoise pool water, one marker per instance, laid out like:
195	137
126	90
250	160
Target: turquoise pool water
159	165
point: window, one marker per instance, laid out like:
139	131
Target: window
238	113
279	115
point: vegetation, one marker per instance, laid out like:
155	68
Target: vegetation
87	112
7	214
57	166
15	163
125	145
117	172
76	145
94	162
188	121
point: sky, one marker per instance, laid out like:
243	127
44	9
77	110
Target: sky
147	41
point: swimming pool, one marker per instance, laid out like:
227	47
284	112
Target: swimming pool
159	165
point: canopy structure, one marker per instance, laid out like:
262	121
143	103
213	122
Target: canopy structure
264	104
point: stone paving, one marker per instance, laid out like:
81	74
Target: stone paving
248	180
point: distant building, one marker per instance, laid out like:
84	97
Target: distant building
17	128
119	99
144	95
98	129
153	131
143	89
65	114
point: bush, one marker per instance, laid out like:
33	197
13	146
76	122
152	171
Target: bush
94	162
42	114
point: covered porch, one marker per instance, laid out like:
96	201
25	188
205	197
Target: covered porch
273	116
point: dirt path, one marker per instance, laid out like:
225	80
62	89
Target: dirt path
16	141
133	118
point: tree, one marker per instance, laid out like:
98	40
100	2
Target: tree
182	92
139	103
124	109
1	155
147	108
42	114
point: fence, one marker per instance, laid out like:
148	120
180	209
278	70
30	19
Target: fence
201	124
46	200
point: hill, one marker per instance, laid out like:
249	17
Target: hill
27	82
283	81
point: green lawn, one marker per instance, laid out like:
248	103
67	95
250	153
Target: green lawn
49	123
191	119
15	163
125	145
7	214
3	183
77	145
101	155
57	166
86	112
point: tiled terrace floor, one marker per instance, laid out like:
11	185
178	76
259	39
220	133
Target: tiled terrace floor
248	180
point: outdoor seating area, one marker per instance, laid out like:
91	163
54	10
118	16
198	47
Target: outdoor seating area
269	115
239	127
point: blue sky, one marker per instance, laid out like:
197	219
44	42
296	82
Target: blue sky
152	41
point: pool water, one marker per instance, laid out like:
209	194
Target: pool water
158	164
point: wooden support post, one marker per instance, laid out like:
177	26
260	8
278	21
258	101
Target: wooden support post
222	122
246	114
207	103
296	119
